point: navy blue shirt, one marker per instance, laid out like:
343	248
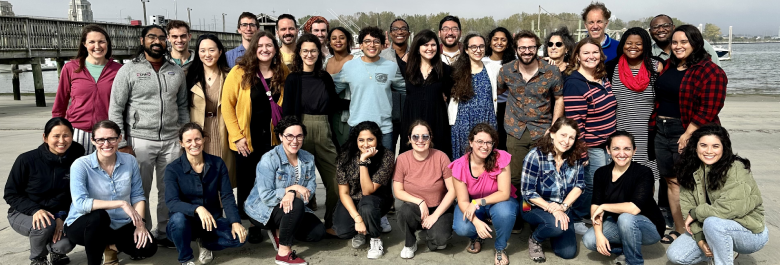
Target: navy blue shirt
185	190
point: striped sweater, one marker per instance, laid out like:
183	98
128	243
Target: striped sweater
592	106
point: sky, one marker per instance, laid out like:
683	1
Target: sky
753	17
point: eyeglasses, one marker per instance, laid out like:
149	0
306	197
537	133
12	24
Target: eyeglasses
526	48
101	141
556	44
248	25
664	25
416	137
291	137
399	30
155	37
474	48
374	41
448	29
481	143
312	52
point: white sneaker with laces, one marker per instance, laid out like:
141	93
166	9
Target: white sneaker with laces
189	263
385	224
580	228
358	241
408	252
376	250
206	255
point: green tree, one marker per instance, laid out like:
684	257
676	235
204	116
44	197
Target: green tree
711	32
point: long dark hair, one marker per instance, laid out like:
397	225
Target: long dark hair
510	52
572	155
566	38
697	43
81	56
250	64
350	149
647	52
689	159
196	74
574	61
461	73
492	158
413	73
298	60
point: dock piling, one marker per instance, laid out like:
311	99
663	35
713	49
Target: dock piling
15	82
40	98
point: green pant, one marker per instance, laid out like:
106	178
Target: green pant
318	142
518	148
340	128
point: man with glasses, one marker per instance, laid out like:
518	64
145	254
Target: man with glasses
319	26
661	30
287	32
531	83
596	18
398	53
247	26
149	103
449	34
179	36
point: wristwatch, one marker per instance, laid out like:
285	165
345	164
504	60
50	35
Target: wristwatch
482	202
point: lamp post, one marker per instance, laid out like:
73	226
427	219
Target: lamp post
223	22
189	18
143	2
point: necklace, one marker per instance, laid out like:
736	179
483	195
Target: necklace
367	72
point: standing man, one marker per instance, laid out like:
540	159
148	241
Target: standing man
397	53
149	102
531	83
596	18
287	32
247	26
449	34
179	36
319	26
661	29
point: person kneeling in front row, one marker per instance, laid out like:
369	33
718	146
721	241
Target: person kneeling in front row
195	185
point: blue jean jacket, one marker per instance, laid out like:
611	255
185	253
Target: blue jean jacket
274	174
185	191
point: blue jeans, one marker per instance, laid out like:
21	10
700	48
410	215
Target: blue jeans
630	231
183	229
388	142
503	215
597	157
724	238
564	242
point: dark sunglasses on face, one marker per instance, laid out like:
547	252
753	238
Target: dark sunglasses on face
424	137
556	44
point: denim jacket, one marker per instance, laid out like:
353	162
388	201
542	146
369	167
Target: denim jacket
274	174
185	191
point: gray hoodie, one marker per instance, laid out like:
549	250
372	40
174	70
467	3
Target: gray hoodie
151	105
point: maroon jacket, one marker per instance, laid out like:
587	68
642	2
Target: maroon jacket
79	99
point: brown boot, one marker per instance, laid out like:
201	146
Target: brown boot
109	256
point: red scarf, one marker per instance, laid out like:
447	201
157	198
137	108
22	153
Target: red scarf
636	83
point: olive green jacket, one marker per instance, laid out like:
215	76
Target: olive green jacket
739	199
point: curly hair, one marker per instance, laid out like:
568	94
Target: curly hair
689	161
413	74
373	32
461	72
593	5
509	53
298	60
572	155
347	34
287	122
491	161
350	149
420	123
574	61
250	64
697	43
566	38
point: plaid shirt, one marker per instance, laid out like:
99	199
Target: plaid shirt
541	179
702	94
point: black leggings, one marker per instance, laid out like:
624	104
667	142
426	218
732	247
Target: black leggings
371	209
93	231
297	224
245	177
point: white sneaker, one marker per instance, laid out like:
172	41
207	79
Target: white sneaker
376	250
620	260
408	252
206	255
580	228
189	263
358	241
385	224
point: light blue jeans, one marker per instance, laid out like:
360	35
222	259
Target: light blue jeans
503	215
597	157
724	238
630	231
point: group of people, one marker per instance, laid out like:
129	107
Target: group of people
491	134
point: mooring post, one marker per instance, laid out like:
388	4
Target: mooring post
60	63
15	82
40	97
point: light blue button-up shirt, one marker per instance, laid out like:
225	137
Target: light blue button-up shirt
232	55
89	182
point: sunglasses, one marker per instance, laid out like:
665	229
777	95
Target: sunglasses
424	137
556	44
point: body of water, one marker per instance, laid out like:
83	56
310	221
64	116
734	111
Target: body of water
750	71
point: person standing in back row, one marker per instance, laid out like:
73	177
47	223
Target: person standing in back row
449	34
247	26
596	18
179	37
149	103
287	32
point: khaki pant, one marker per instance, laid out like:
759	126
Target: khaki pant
153	157
319	143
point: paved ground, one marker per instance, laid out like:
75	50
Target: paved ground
754	123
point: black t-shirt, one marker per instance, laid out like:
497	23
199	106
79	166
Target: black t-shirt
668	92
314	96
614	193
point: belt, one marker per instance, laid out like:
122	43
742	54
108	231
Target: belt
211	114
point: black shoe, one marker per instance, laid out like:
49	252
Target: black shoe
165	243
39	261
58	259
255	235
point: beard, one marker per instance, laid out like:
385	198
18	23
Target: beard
533	59
155	54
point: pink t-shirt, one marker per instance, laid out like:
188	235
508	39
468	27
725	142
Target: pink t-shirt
424	179
485	184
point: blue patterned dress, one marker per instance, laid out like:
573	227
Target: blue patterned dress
476	110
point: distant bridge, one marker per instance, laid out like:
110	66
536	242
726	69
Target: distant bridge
27	40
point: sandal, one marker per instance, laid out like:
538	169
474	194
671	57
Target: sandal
668	239
473	248
501	257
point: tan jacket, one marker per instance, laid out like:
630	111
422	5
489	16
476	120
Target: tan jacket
198	115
